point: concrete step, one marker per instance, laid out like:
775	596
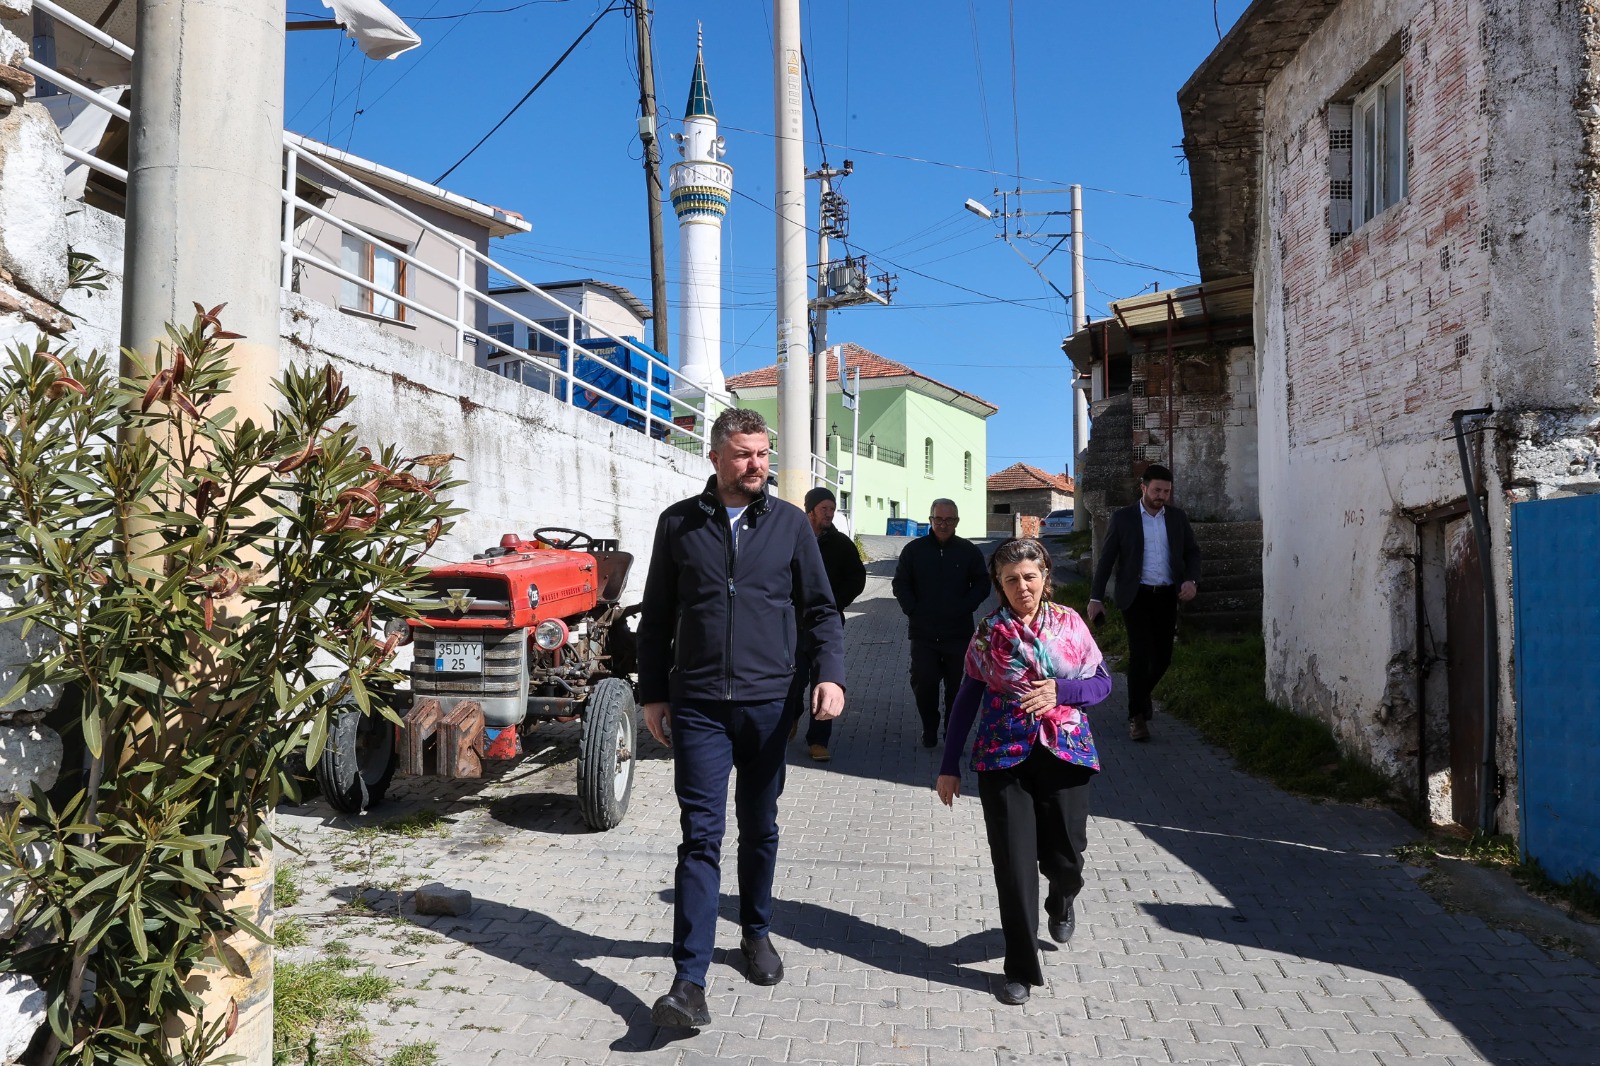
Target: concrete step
1223	621
1211	563
1204	531
1231	549
1211	581
1225	600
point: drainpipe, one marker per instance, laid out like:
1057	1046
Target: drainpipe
1491	643
1424	665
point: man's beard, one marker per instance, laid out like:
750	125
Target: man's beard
737	488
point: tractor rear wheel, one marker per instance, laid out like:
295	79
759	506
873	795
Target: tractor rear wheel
605	754
358	761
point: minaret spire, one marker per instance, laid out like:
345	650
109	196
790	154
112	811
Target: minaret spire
702	187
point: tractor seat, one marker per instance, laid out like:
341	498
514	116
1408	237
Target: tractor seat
611	572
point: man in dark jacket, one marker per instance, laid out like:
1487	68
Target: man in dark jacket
735	596
847	576
939	581
1151	548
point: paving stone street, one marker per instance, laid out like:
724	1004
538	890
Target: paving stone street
1222	921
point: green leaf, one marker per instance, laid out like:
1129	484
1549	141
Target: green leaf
140	681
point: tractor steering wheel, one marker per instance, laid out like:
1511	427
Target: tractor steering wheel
564	539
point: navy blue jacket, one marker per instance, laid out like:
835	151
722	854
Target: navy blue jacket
717	625
938	587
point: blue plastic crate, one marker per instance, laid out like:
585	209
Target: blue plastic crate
606	389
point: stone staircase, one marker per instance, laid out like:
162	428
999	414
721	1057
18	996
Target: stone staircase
1230	583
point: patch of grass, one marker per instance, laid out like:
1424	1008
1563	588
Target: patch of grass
1070	547
1219	687
285	886
317	1010
419	1054
1111	634
1578	895
290	932
426	822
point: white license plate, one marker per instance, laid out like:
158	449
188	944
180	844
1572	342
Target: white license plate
458	657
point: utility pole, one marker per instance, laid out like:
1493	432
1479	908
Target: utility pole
1080	317
794	446
205	176
840	283
819	322
652	176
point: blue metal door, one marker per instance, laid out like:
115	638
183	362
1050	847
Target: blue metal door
1555	585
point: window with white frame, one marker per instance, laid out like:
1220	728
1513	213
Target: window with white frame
376	263
927	456
966	470
1378	146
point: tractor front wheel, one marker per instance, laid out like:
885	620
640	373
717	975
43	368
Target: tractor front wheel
605	754
358	760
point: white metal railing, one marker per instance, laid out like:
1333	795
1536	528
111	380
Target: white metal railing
640	390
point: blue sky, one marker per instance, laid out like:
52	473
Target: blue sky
1094	86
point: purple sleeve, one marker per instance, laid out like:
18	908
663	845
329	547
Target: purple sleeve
962	714
1083	691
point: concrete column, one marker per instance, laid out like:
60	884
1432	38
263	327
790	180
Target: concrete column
204	171
794	386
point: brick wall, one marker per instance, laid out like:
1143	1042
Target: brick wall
1384	331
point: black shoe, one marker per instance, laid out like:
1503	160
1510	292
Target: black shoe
683	1007
930	740
765	968
1061	929
1012	993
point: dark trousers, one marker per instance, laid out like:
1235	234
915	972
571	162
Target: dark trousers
710	740
800	708
933	664
1037	817
1151	619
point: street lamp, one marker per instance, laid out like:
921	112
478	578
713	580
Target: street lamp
978	209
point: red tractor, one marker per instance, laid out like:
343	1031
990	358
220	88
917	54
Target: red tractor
528	631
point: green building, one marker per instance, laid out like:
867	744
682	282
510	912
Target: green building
919	440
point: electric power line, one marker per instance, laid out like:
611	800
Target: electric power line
976	170
529	94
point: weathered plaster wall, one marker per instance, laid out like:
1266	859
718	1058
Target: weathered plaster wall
1366	347
1207	432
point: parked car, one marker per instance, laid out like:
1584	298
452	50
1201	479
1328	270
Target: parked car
1057	524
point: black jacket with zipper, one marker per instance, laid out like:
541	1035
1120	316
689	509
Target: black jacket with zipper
938	587
724	625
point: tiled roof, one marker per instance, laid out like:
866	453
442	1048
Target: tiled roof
1020	476
871	364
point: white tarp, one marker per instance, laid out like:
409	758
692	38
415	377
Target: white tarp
378	32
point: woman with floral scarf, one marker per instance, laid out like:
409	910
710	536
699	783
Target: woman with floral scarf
1031	668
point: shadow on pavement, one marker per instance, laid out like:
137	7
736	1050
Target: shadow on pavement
1315	883
536	941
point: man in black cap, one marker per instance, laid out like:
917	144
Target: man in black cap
847	576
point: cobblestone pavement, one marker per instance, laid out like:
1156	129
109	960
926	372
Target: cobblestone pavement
1222	921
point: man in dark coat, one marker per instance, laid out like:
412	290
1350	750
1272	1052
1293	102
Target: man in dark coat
939	581
847	576
736	596
1150	546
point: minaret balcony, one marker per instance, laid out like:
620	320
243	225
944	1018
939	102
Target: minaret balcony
710	175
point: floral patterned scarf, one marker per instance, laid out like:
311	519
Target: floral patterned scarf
1010	656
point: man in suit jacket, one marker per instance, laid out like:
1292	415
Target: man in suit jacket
1150	546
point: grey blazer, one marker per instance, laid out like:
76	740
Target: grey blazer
1123	553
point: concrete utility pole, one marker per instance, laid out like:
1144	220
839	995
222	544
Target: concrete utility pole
204	181
652	177
794	446
1080	317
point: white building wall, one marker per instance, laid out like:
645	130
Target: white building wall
1365	349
